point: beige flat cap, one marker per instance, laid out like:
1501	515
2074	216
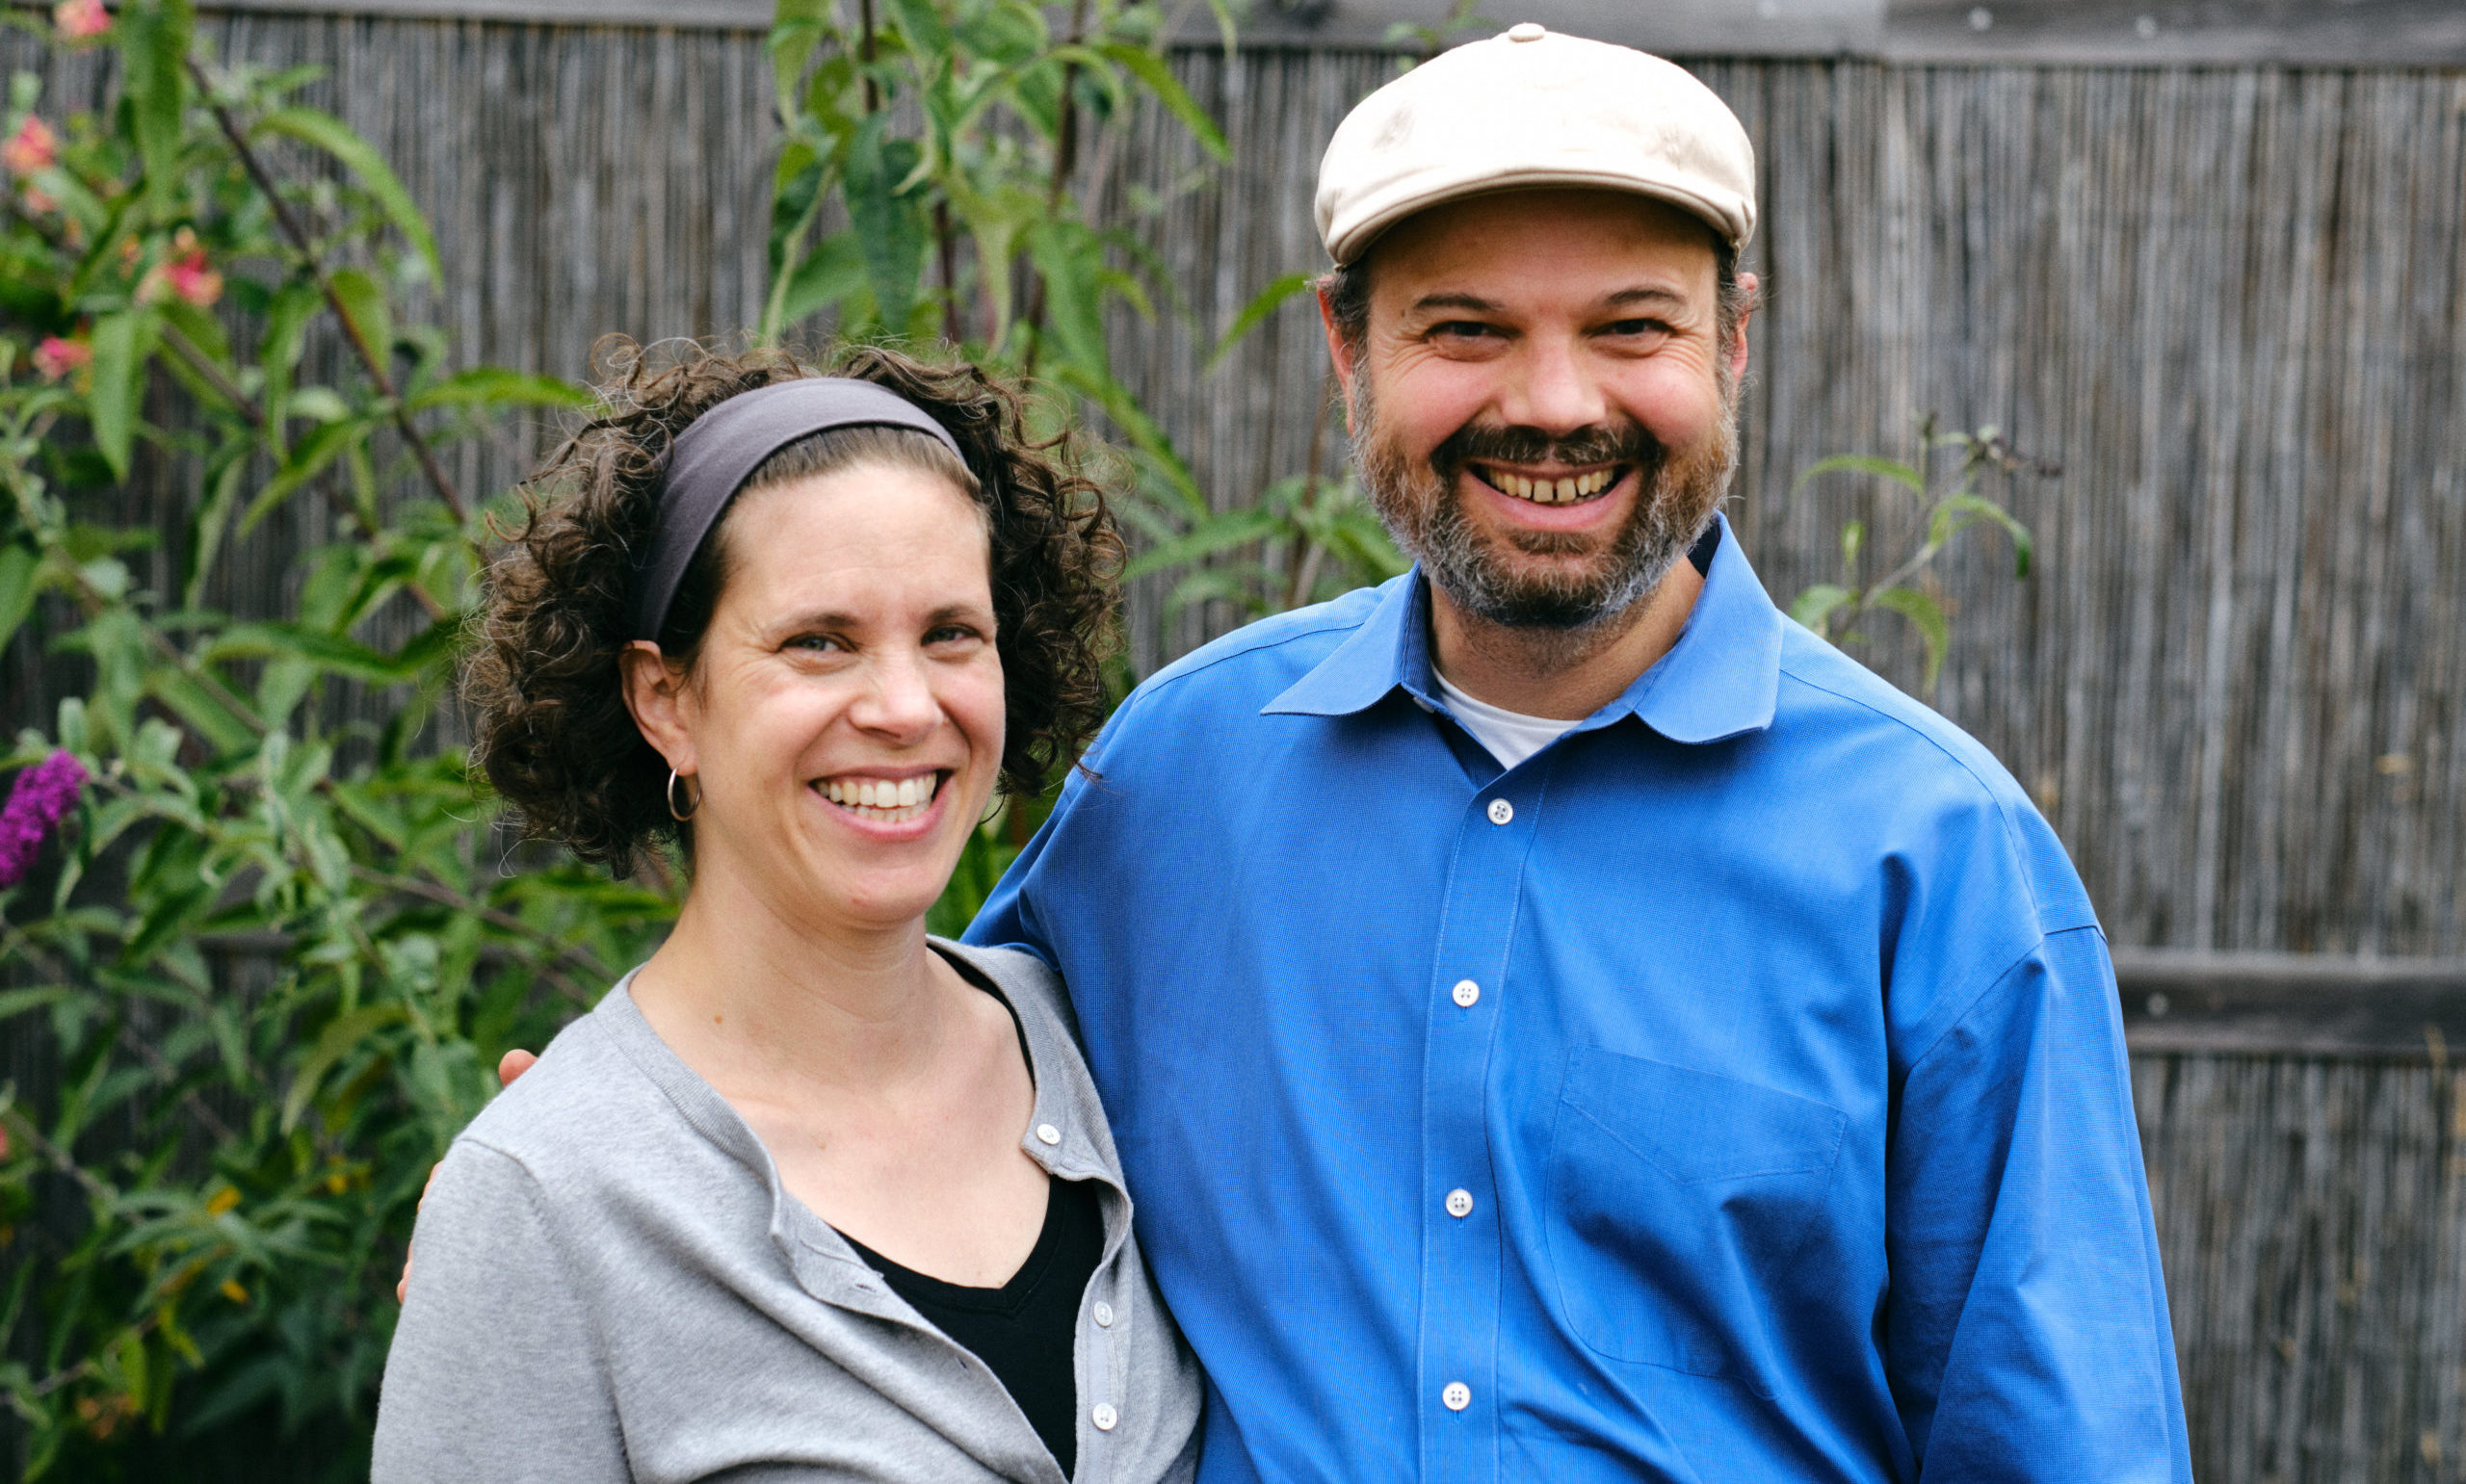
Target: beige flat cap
1529	108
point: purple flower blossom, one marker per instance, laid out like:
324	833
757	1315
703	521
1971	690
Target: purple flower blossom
36	801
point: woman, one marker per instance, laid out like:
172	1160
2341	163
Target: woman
808	1194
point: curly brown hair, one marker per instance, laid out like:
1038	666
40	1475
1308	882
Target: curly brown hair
553	733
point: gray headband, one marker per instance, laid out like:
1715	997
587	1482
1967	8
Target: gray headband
717	452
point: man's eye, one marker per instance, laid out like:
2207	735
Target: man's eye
951	633
1625	328
1463	329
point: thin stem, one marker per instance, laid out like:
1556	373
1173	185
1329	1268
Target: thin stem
1066	160
368	354
865	54
204	365
1306	573
950	256
446	896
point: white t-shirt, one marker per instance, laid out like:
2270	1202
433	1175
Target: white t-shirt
1512	736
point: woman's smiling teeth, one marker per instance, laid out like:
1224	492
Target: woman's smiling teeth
1563	491
882	800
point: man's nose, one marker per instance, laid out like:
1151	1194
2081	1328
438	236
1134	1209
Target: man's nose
898	702
1553	389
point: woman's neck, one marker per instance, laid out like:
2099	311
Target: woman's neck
760	1003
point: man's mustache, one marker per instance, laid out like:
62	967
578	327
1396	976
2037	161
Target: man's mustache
1603	443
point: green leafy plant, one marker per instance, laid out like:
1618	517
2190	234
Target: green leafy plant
270	955
941	174
1305	540
1951	504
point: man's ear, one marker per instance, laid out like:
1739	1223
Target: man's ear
656	693
1339	353
1747	286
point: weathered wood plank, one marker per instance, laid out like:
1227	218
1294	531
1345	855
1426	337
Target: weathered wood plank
2294	1005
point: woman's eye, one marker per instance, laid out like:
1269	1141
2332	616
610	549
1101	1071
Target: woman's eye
817	643
951	633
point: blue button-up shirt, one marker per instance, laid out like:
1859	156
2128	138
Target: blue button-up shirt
1733	1090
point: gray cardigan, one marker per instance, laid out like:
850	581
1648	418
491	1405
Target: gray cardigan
613	1283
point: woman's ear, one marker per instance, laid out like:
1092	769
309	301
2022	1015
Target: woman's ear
655	692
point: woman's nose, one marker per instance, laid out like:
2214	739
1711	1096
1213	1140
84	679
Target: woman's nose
899	701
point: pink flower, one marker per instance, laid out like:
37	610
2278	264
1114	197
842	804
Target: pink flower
81	20
33	148
37	802
185	277
56	357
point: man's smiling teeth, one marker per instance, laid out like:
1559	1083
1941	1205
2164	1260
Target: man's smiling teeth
1566	491
883	800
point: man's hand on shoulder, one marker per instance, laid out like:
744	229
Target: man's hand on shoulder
512	1065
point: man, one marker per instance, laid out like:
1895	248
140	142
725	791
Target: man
1560	1018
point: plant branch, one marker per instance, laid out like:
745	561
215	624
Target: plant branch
446	896
369	357
204	365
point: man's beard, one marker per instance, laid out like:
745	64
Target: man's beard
1421	505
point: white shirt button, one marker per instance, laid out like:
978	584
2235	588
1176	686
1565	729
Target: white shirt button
1048	1134
1466	993
1457	1396
1104	1417
1104	1315
1526	31
1501	811
1459	1203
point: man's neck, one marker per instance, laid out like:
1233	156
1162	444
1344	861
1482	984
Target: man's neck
1555	672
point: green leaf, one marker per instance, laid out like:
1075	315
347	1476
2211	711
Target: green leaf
223	475
334	651
1864	463
154	46
920	23
202	329
309	458
201	709
1815	607
833	270
1925	612
1255	313
19	567
341	1037
1071	261
123	344
363	307
323	131
1233	528
796	198
279	350
495	386
890	228
1153	71
1957	513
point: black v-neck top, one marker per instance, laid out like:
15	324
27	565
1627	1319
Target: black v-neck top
1024	1329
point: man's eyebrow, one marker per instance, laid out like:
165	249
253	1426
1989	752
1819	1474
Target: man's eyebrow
1469	301
1628	297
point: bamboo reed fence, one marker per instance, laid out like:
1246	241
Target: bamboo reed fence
2229	299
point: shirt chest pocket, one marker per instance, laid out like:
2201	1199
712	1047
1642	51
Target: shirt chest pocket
1677	1199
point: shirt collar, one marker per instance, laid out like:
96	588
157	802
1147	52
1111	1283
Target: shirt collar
1721	679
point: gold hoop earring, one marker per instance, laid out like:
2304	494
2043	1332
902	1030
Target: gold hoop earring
693	799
